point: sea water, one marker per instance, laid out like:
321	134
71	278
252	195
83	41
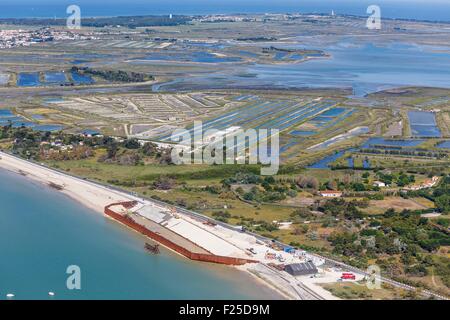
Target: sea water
413	9
43	232
364	67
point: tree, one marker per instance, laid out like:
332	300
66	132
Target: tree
307	182
301	212
443	203
132	144
111	151
150	149
165	157
313	183
332	185
389	213
164	183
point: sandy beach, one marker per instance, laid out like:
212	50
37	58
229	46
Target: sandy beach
96	197
89	194
216	239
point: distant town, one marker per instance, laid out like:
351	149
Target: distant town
11	38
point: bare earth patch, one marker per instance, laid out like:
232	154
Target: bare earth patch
397	203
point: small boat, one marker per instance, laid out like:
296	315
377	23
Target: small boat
152	248
51	294
10	296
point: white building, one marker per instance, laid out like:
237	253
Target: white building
379	184
331	194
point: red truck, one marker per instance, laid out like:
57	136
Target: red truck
348	276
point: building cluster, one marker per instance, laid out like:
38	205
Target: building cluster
58	150
58	144
224	18
244	18
258	17
429	183
11	38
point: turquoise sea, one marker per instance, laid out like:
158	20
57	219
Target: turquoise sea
42	232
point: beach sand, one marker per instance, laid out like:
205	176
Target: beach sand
93	196
89	194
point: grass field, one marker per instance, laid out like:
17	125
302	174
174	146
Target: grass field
399	204
104	172
358	291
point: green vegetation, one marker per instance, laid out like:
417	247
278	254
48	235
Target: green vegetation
401	179
439	195
114	75
404	232
47	146
359	291
402	243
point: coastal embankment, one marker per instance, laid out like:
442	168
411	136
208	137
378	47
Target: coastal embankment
217	242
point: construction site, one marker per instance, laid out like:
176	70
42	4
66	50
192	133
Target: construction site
294	273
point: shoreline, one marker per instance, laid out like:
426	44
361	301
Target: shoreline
239	12
90	195
94	197
245	271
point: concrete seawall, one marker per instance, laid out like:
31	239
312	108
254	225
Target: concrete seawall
205	257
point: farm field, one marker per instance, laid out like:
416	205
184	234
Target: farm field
134	107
